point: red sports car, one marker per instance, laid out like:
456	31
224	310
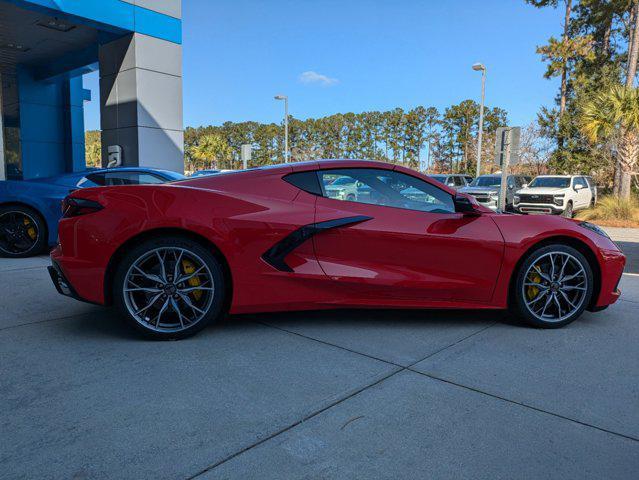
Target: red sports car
322	234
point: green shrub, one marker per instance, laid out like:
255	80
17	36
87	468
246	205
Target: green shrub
613	209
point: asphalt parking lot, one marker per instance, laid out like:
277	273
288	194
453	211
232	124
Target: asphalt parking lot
348	394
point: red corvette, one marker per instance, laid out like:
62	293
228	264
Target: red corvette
323	234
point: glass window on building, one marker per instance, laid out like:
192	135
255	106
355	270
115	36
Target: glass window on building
12	158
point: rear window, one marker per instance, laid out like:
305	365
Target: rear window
306	181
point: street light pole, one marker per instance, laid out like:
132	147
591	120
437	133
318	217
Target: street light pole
285	98
480	67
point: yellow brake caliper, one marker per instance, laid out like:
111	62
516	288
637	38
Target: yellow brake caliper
532	291
189	268
31	231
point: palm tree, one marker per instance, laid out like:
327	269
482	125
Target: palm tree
613	116
211	151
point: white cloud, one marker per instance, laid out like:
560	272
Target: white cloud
314	77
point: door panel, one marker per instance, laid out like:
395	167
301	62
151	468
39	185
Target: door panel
405	254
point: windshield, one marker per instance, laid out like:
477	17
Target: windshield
439	178
488	181
551	182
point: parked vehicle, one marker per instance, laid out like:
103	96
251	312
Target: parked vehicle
30	209
343	188
209	171
556	194
456	180
485	189
175	257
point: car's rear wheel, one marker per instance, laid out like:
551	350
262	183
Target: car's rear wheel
170	288
22	232
553	286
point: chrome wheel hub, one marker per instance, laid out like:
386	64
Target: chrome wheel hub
168	289
555	286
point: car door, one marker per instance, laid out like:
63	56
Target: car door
405	242
582	192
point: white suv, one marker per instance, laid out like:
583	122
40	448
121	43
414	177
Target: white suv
556	194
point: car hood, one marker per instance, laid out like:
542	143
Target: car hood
541	191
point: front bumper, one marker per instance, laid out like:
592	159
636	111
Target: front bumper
612	263
539	208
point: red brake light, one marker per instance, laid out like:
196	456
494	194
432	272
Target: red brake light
73	207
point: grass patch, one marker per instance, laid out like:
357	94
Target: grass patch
613	212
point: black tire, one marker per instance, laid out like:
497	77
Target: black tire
350	197
213	312
518	304
568	211
25	239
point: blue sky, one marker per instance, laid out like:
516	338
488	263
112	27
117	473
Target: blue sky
356	55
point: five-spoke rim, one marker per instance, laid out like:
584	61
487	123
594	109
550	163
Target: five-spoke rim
19	232
168	289
555	286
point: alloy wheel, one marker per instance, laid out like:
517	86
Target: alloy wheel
19	232
555	287
168	289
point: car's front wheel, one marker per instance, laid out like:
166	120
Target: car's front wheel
22	232
169	288
553	286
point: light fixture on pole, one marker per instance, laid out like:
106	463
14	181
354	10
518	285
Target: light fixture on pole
285	98
479	67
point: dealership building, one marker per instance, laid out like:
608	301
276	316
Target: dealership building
46	46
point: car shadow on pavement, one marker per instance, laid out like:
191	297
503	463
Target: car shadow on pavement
109	322
362	317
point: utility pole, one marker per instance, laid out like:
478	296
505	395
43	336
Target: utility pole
478	67
503	187
285	98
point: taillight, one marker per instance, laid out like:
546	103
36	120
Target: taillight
73	207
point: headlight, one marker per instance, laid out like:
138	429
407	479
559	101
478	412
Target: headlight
559	199
494	196
594	228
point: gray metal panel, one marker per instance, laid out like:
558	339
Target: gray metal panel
172	8
161	149
159	99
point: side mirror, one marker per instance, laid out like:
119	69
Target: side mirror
578	187
464	205
450	183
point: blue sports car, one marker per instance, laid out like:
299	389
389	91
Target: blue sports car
30	209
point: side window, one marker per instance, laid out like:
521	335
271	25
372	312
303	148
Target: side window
385	188
306	181
459	181
130	178
468	179
580	181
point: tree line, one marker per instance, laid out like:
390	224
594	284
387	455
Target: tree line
417	137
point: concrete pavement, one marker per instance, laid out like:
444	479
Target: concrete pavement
347	394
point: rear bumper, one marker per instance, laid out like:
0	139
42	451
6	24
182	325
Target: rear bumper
61	284
77	278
